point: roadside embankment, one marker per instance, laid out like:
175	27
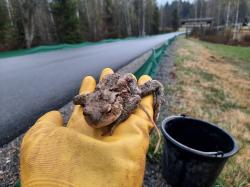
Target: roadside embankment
9	160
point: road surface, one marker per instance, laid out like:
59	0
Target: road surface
33	84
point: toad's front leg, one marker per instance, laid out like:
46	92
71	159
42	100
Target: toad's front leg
156	88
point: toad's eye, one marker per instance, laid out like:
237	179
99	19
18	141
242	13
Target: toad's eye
107	108
85	111
109	111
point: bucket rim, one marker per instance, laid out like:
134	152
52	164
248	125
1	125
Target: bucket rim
195	151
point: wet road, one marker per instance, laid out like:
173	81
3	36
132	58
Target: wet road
34	84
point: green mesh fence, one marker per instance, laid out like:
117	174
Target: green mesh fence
150	67
18	184
45	48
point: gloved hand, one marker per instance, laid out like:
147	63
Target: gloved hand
77	155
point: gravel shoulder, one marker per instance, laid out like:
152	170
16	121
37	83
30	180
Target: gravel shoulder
9	153
165	74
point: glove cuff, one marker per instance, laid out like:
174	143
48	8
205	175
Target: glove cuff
42	181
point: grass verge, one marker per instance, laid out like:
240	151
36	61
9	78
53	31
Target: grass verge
213	83
233	52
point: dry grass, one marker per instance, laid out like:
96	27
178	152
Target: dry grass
217	89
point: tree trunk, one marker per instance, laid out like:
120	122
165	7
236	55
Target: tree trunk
28	8
87	14
196	9
94	20
9	12
228	13
29	29
218	16
127	19
161	9
142	18
236	21
201	11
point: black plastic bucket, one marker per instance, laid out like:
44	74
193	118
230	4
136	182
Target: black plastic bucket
194	152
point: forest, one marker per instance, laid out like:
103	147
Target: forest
27	23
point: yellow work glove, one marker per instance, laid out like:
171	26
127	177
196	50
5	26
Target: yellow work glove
77	155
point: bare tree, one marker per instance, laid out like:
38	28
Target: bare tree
44	23
219	13
236	21
87	11
196	9
142	18
228	12
127	18
28	8
201	9
9	12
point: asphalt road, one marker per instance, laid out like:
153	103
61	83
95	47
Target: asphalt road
34	84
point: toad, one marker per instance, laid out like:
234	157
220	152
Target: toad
116	96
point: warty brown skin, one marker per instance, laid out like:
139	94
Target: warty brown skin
116	96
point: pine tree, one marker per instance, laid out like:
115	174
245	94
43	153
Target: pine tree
3	21
156	21
108	20
175	19
66	20
7	35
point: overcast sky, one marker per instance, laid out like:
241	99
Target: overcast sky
162	2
